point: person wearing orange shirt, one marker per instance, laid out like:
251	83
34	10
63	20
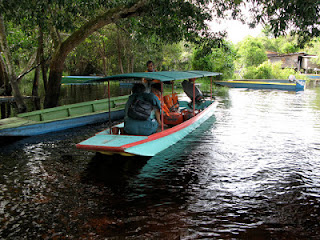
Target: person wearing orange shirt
156	90
146	81
150	66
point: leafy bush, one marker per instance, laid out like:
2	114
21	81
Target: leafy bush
268	70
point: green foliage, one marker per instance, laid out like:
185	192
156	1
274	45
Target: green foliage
174	21
176	56
215	59
100	53
267	70
154	32
64	15
300	17
251	52
282	44
314	48
22	44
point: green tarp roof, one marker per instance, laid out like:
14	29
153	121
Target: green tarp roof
162	76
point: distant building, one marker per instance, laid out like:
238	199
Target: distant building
299	61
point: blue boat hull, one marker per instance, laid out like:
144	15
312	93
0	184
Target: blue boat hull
59	125
277	84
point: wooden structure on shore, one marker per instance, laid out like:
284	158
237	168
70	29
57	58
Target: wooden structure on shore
5	104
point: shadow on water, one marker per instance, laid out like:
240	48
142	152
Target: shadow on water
9	144
7	140
113	170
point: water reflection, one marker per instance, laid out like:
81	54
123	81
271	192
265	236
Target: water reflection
250	172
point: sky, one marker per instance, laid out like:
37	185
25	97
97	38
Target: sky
235	29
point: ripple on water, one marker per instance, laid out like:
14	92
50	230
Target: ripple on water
249	173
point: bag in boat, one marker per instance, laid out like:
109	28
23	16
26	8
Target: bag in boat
188	113
174	118
140	109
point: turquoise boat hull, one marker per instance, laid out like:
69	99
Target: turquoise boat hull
129	145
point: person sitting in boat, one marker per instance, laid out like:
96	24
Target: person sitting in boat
147	82
150	66
292	78
137	126
156	90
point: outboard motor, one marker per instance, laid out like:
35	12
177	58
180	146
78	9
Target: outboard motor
188	89
292	78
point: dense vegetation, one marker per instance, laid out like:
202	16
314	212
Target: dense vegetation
52	38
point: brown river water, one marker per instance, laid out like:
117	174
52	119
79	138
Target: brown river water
250	172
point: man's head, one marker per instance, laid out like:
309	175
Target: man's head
150	66
156	87
138	88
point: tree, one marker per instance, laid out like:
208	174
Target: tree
7	66
251	52
178	24
314	48
64	48
299	17
218	58
281	44
170	20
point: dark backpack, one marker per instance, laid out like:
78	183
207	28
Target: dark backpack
140	109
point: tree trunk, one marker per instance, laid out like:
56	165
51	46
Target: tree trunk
104	57
132	63
3	110
2	73
5	77
42	60
9	68
35	86
119	52
53	87
58	59
32	62
17	94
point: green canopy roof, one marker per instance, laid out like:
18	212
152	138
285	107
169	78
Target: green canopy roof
161	76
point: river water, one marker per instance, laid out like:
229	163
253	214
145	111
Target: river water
250	172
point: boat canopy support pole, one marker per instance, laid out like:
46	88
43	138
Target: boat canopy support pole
162	104
194	96
109	102
211	88
172	83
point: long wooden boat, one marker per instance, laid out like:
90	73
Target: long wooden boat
78	79
63	117
298	85
128	145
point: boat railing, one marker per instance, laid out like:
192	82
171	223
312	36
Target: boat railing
77	109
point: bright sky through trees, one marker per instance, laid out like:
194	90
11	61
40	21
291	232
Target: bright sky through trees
235	29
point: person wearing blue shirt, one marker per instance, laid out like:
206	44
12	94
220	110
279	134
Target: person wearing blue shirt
142	127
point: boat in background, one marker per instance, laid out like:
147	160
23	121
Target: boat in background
78	79
297	85
63	117
113	142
